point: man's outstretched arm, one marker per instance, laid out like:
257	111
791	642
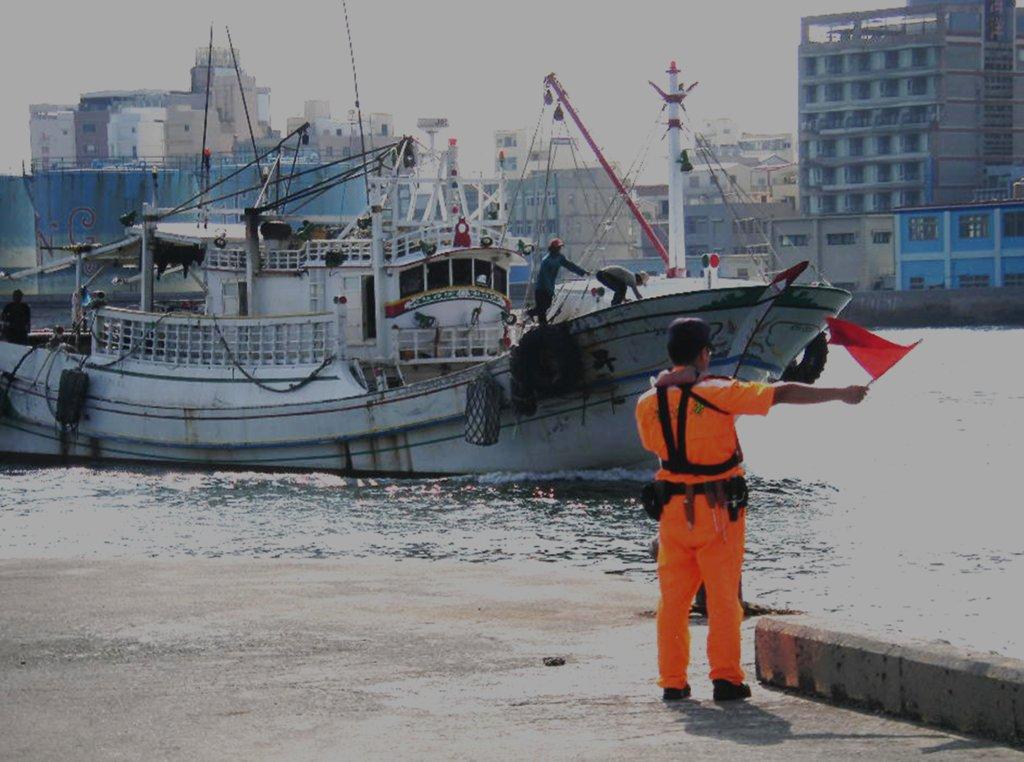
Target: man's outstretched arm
801	394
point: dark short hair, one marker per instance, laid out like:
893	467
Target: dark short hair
687	338
17	293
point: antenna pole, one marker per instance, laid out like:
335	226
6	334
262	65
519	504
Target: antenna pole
355	85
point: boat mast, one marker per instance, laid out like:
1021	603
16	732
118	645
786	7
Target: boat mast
552	81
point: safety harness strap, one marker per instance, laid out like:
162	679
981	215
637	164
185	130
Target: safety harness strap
675	444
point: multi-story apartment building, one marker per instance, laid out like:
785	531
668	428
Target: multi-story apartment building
514	154
52	133
153	124
906	106
332	138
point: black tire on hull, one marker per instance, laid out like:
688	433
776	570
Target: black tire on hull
811	363
547	362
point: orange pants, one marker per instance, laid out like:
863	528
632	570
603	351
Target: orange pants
687	557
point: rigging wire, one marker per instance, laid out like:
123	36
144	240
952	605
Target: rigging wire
355	85
245	104
188	204
522	176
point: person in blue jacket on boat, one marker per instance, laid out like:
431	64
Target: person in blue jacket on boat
544	287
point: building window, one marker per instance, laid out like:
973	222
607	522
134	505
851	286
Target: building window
1013	224
793	239
890	88
911	143
972	281
90	128
909	171
855	175
833	92
188	128
892	59
855	202
919	56
856	146
917	86
916	283
827	148
924	228
862	90
883	173
862	62
841	239
828	204
810	94
883	145
883	202
881	236
1013	279
383	129
974	226
834	64
810	66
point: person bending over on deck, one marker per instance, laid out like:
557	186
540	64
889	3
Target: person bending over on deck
16	319
544	287
699	498
618	279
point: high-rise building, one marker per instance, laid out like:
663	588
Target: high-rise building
906	106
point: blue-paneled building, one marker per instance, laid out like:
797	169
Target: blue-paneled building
960	246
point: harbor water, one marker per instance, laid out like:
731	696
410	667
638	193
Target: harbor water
899	515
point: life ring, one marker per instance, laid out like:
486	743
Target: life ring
811	364
547	362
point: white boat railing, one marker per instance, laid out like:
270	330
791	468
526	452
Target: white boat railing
441	236
205	341
452	344
319	253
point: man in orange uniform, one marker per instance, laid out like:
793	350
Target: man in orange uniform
688	421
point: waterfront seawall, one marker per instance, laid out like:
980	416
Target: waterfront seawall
979	694
938	308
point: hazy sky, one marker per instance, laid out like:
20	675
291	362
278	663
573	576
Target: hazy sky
478	63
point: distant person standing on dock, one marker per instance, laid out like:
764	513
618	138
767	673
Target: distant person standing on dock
16	319
544	287
618	279
699	498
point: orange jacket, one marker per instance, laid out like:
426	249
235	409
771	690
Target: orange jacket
710	435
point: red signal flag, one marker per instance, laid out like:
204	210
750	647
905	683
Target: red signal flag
873	353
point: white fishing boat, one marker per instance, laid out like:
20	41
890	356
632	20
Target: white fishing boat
384	345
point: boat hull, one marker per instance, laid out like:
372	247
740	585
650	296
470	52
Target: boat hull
145	412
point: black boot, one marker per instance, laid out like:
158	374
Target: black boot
675	694
726	691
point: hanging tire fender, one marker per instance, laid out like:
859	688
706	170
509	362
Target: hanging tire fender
811	363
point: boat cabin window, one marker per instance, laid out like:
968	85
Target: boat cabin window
438	275
462	272
410	281
500	283
482	273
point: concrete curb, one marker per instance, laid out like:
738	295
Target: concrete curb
936	685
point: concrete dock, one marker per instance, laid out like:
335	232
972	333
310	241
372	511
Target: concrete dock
367	659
